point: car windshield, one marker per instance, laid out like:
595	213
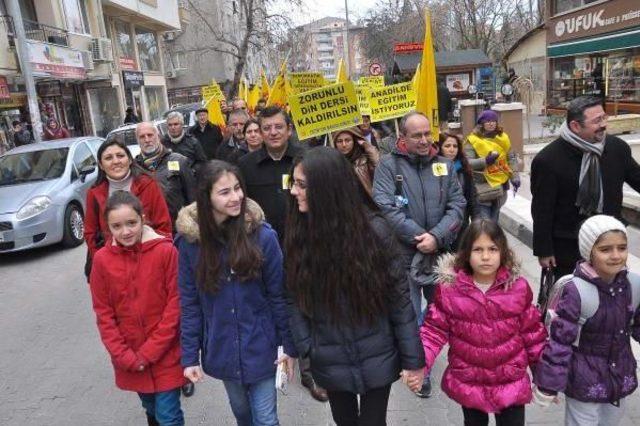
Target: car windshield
32	166
127	136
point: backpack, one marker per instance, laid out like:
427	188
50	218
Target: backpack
589	299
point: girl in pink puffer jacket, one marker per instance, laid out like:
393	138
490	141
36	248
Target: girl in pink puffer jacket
483	309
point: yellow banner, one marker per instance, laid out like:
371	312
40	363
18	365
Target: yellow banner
363	99
372	81
325	110
392	101
306	81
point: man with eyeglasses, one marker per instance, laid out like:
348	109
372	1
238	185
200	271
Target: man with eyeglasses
267	176
419	194
578	175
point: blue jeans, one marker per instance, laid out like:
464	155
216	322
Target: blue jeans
491	209
254	404
164	407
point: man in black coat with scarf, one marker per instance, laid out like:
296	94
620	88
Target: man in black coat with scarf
578	175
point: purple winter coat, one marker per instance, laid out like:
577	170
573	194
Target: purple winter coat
602	368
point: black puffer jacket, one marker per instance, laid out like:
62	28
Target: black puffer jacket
358	359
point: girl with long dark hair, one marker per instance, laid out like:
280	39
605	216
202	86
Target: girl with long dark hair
450	146
363	156
352	314
118	171
234	313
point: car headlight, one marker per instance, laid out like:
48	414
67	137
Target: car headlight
34	207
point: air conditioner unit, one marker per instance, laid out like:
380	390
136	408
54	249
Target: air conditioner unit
87	60
101	49
172	74
170	35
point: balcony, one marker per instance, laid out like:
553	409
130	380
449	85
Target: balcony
183	13
45	33
6	27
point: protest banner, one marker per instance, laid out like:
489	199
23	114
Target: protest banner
392	101
363	99
306	81
325	110
373	81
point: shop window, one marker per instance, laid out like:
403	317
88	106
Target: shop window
155	101
623	72
104	110
75	12
148	52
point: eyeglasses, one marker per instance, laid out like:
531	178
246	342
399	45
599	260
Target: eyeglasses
277	127
300	184
598	120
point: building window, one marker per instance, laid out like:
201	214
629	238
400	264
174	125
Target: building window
75	12
155	101
104	110
123	40
147	49
561	6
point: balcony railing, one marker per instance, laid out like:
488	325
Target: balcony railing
45	33
6	26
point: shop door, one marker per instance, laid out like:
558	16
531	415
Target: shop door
71	105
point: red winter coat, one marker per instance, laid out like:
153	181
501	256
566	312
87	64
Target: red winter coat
493	338
156	212
137	306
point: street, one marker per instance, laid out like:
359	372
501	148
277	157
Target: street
55	370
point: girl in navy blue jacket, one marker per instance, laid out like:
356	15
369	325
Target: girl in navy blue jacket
232	298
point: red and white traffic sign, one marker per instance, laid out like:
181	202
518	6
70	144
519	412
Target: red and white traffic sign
375	69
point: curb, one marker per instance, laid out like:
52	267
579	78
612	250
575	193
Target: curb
515	218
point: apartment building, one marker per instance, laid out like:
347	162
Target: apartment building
91	60
196	54
319	46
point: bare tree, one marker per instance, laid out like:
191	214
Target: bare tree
258	31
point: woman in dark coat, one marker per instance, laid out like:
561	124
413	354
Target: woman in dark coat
351	310
450	146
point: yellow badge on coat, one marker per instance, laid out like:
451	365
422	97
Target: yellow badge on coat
439	169
173	166
286	180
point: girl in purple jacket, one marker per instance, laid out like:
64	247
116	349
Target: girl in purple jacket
593	365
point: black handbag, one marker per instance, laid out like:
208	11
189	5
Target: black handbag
99	243
547	279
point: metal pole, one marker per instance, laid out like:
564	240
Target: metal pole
346	32
25	67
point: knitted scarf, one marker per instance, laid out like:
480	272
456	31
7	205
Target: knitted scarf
152	159
178	139
589	199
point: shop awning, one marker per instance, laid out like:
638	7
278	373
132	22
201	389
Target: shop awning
604	43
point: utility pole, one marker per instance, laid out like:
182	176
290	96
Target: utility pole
25	68
347	62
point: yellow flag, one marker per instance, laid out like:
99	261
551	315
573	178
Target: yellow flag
427	102
253	98
341	74
242	89
215	112
264	86
278	95
415	78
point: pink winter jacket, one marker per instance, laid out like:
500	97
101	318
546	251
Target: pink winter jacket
493	338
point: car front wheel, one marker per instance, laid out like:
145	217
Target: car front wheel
73	227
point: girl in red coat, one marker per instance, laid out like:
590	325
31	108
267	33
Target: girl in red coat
134	287
483	310
118	171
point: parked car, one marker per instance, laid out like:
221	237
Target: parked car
43	188
128	135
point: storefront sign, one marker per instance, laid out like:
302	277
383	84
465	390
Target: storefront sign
132	79
392	101
16	100
458	82
325	110
612	16
4	88
56	61
127	63
49	89
306	81
407	47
